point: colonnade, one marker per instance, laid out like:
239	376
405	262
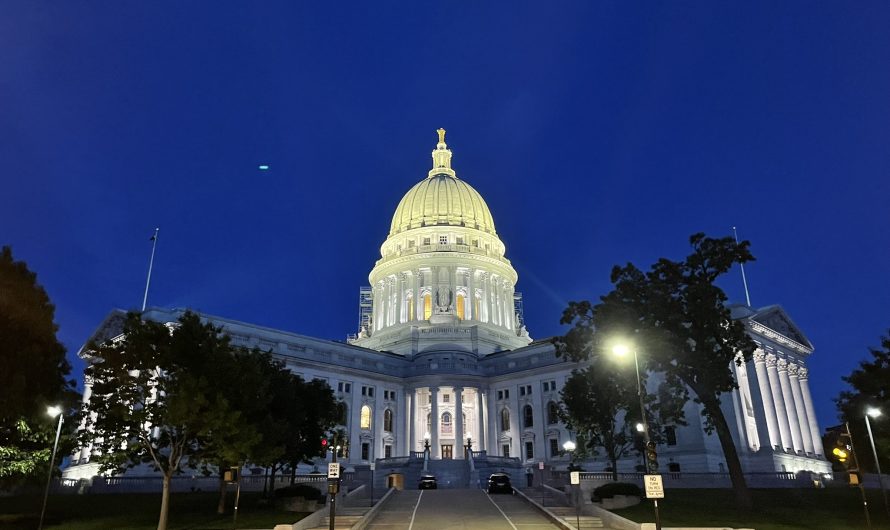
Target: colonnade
445	417
470	294
786	419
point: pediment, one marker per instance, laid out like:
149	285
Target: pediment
775	324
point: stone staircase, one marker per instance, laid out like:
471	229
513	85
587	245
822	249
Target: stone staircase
582	522
345	519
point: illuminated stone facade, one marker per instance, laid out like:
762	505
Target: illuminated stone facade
443	356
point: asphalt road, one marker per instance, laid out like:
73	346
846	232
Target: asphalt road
458	509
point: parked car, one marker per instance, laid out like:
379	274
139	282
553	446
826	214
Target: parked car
499	483
427	482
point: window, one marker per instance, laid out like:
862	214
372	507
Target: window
446	423
460	241
549	386
342	417
505	450
410	243
387	420
521	390
528	417
427	306
529	450
429	423
426	241
387	451
476	243
506	394
365	420
344	387
673	467
554	447
366	451
446	398
443	240
500	395
460	306
552	413
505	420
368	391
670	435
528	390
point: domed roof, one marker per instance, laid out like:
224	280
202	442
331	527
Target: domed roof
442	199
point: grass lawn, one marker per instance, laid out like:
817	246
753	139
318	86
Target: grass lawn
774	509
193	511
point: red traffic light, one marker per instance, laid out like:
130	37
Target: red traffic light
324	442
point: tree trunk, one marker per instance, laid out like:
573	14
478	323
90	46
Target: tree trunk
165	503
221	506
742	493
272	481
293	472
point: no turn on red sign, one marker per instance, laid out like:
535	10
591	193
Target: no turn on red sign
653	486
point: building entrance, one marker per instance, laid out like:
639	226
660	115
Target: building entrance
447	451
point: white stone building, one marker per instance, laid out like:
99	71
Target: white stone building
442	354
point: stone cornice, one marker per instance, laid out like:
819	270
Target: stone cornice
778	338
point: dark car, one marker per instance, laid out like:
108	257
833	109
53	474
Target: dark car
427	482
499	483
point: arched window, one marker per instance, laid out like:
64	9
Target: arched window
505	420
446	422
460	306
387	420
429	423
427	306
552	413
528	417
342	416
365	421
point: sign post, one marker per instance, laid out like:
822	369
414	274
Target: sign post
373	466
654	490
575	480
333	489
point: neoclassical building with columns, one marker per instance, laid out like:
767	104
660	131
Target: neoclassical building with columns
443	357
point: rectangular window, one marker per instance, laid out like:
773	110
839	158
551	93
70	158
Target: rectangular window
343	387
505	450
529	450
387	451
443	240
426	241
670	435
506	394
460	241
673	467
446	398
366	451
522	391
370	391
500	395
554	447
410	243
528	389
340	387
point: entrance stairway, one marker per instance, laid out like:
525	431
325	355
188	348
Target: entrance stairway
345	519
582	522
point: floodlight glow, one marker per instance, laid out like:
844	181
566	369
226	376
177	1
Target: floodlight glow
873	412
620	349
54	411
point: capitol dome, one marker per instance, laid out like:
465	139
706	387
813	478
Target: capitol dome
442	199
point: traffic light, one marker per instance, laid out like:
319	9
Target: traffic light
839	441
651	458
324	446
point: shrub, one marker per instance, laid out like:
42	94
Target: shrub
298	490
607	491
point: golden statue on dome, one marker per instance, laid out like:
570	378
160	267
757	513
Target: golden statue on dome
441	132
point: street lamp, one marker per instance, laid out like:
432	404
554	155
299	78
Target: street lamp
874	413
53	412
621	350
569	447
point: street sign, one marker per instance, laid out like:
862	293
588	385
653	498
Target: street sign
333	470
654	487
575	477
540	465
373	466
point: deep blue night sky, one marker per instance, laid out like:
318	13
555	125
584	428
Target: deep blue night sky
599	133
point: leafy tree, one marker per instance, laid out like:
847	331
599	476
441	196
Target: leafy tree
155	400
34	373
677	318
870	385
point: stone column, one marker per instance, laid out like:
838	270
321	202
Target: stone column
788	398
411	403
760	423
354	427
803	423
493	418
480	417
771	424
434	422
471	295
418	301
778	402
459	439
815	435
400	297
516	424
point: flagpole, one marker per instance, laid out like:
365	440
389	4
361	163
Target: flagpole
742	265
154	243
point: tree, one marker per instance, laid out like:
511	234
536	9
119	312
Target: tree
870	385
155	400
678	320
34	373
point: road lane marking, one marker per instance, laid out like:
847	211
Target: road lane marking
502	511
414	513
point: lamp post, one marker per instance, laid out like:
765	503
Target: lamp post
569	447
622	350
53	412
874	413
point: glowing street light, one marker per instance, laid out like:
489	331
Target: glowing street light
53	412
568	446
874	413
621	350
